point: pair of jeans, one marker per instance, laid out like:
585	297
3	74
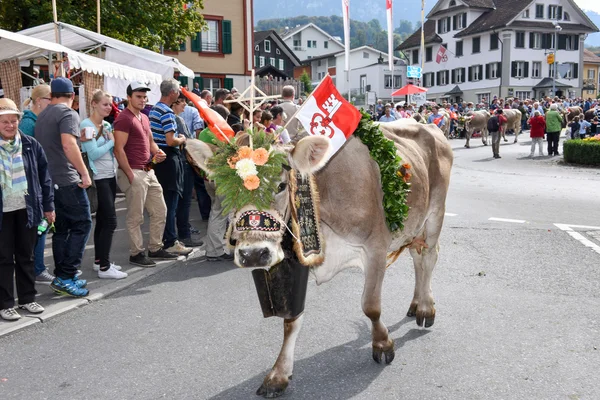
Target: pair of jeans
106	220
38	254
553	138
72	229
183	206
496	142
170	233
16	259
204	201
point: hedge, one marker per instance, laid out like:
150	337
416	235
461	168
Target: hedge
582	152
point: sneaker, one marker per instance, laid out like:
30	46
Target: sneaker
141	260
45	278
33	307
112	265
78	273
80	283
189	242
179	249
162	254
195	231
9	314
222	257
68	287
111	273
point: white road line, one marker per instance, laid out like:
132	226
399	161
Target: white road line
120	209
514	221
450	215
578	236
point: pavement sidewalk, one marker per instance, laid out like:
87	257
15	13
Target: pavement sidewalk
99	288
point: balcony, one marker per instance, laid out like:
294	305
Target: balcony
299	48
589	84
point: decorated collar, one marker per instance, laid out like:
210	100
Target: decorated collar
255	220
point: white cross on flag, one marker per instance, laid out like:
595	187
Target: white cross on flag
326	113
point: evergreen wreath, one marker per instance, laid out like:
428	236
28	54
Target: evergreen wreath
395	176
247	175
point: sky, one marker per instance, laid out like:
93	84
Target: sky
589	5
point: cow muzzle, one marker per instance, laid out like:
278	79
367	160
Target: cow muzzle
263	254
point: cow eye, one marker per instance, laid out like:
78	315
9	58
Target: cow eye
281	187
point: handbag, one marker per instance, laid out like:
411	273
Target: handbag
92	190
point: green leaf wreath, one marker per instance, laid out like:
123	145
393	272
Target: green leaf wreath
247	175
395	176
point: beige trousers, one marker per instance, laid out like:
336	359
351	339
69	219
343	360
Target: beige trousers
144	192
217	224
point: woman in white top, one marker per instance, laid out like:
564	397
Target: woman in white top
98	142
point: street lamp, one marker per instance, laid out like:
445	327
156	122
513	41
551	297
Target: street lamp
557	28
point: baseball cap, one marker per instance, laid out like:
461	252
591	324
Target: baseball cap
137	86
61	85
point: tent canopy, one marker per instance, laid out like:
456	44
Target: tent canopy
78	38
14	45
409	89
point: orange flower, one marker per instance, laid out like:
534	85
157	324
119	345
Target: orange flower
406	166
252	182
407	177
231	162
244	152
260	156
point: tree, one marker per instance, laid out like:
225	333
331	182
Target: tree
146	23
305	79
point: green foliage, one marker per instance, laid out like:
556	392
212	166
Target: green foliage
150	24
231	186
582	152
361	33
394	177
305	79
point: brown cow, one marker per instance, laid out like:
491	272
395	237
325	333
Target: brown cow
513	123
476	121
354	228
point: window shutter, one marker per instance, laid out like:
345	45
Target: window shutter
447	76
575	71
453	76
449	23
226	45
487	71
454	22
437	77
464	17
549	14
439	26
470	74
559	13
562	42
513	72
464	72
499	70
531	40
182	45
480	72
228	83
545	43
256	61
196	43
526	69
576	40
183	80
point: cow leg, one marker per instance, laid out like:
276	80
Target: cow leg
277	380
468	135
424	260
484	136
383	345
517	131
504	134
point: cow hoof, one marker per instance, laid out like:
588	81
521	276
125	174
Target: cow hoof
506	140
485	144
272	389
379	354
412	310
425	320
515	141
467	146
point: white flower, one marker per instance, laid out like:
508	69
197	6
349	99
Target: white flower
245	167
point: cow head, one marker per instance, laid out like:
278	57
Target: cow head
256	233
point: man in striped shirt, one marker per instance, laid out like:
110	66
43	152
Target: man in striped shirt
170	172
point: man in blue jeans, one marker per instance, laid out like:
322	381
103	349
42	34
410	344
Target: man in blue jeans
57	130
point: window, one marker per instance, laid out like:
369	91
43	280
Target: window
281	64
428	54
568	42
555	12
314	44
443	25
211	84
459	21
331	62
452	3
459	48
261	62
520	69
493	70
591	91
397	81
210	37
520	40
526	13
483	97
591	74
442	77
523	95
566	16
573	72
319	63
257	48
365	54
309	44
415	56
297	45
267	46
428	79
550	43
535	40
536	70
272	61
475	73
458	75
494	42
387	79
539	11
277	51
476	44
326	44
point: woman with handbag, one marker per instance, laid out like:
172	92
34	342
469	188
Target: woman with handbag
97	144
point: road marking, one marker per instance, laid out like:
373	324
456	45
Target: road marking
514	221
120	209
450	215
578	236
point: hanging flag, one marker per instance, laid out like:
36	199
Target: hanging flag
441	55
217	125
346	13
327	113
390	27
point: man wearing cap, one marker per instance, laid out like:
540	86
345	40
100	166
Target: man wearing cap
57	130
137	154
170	173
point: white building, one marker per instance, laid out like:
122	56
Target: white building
500	48
309	41
369	72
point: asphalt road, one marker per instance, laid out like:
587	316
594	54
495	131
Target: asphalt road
517	301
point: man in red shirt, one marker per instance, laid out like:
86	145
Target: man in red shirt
136	153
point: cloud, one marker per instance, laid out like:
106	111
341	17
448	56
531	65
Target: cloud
589	5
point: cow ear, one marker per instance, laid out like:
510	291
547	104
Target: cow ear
311	154
199	153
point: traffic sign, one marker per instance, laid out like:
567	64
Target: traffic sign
413	72
550	58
